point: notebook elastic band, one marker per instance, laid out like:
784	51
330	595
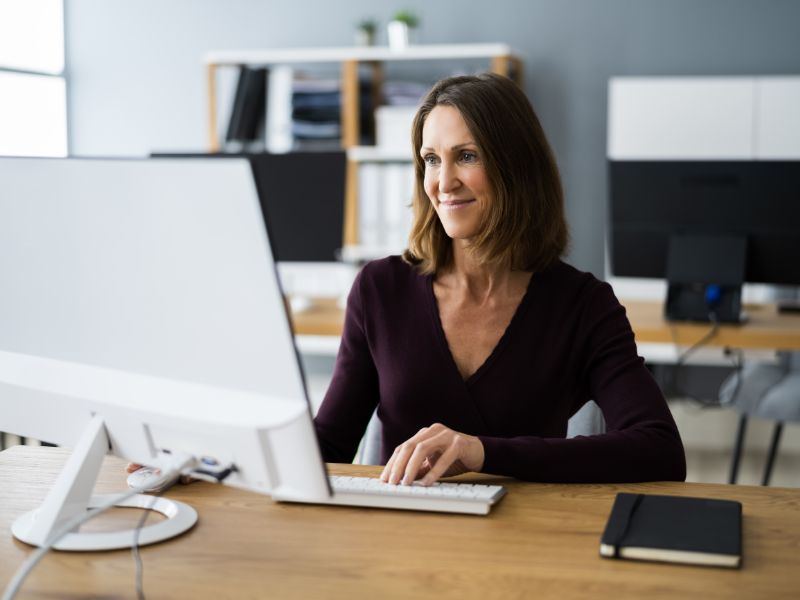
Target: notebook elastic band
626	524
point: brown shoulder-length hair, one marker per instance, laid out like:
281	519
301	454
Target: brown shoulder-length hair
525	228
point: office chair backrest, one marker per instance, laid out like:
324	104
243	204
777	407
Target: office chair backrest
587	421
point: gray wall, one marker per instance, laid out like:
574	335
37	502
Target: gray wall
136	81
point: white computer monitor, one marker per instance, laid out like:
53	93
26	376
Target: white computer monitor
141	314
302	196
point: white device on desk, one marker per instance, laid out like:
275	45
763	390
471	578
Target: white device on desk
141	314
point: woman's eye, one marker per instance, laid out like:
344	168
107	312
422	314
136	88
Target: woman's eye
469	157
431	160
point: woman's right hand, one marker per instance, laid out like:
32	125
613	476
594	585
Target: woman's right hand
434	452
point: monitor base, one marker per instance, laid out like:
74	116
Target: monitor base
180	518
71	496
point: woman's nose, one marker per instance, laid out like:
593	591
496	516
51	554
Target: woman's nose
448	178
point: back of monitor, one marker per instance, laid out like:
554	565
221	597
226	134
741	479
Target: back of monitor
144	292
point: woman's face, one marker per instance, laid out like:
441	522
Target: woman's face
455	178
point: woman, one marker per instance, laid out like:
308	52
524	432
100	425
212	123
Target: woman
479	343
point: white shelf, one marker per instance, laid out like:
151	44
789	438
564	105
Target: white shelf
271	56
499	56
378	154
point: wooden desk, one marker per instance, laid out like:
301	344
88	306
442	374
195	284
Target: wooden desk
541	541
766	328
323	317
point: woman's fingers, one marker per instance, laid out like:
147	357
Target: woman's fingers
388	468
395	467
443	463
400	460
434	452
429	452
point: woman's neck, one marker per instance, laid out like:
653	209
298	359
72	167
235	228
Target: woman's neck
478	280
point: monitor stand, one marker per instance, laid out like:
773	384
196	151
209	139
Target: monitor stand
71	495
704	278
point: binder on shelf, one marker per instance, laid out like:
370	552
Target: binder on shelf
249	106
316	112
279	114
384	207
235	119
370	201
399	181
279	111
698	531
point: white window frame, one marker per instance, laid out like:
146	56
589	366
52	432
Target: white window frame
60	75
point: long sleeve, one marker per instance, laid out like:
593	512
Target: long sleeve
353	393
642	442
568	342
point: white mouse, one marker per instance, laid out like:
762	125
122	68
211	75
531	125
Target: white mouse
152	479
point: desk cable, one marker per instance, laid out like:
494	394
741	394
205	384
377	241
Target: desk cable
737	359
137	558
683	356
210	474
15	584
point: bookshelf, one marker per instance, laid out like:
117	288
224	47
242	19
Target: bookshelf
500	57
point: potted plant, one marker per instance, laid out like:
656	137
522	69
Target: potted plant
365	32
400	28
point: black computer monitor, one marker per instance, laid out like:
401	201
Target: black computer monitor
302	197
706	227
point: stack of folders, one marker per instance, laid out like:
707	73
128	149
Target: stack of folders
698	531
316	110
385	190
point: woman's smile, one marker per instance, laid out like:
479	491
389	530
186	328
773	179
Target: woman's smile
456	204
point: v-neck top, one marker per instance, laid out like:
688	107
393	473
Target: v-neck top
568	342
433	307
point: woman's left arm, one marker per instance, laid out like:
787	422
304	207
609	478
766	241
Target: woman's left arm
641	443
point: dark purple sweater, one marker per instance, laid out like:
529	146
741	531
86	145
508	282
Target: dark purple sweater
568	342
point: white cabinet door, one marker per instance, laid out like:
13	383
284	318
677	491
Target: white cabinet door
681	118
778	118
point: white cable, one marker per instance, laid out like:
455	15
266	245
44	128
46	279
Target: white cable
13	587
135	549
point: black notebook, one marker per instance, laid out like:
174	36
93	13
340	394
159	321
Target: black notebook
699	531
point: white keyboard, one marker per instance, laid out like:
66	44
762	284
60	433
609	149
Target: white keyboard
466	498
